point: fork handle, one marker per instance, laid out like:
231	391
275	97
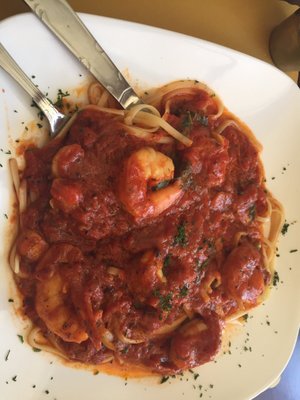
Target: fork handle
66	25
13	69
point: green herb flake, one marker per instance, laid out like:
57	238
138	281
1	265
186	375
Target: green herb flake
293	251
14	378
96	372
187	121
36	350
183	291
60	96
275	278
245	317
252	212
164	379
10	300
39	125
192	117
285	228
125	350
160	185
202	265
41	116
7	355
7	152
21	338
180	238
166	264
196	376
201	119
165	302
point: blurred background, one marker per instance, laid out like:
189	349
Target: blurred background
243	25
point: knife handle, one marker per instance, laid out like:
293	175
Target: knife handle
61	19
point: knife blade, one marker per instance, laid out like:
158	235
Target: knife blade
62	20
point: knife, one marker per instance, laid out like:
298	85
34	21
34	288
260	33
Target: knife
62	20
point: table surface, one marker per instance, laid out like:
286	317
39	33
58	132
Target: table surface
241	25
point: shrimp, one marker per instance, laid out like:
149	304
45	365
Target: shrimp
52	300
31	245
196	342
145	274
144	170
52	307
66	194
242	274
67	160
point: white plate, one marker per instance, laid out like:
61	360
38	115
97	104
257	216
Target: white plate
266	99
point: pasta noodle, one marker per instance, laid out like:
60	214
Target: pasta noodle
144	231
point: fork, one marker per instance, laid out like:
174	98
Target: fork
58	122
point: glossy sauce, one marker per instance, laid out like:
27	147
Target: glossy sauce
139	275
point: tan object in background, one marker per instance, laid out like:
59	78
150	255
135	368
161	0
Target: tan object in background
243	25
285	43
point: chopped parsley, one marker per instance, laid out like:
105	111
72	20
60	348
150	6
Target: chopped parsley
245	317
191	117
293	250
60	96
202	265
164	379
160	185
166	264
21	338
252	212
14	378
183	291
180	238
201	119
10	300
125	350
36	350
165	301
275	278
285	228
7	355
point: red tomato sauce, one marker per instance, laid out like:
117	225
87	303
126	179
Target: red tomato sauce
122	276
